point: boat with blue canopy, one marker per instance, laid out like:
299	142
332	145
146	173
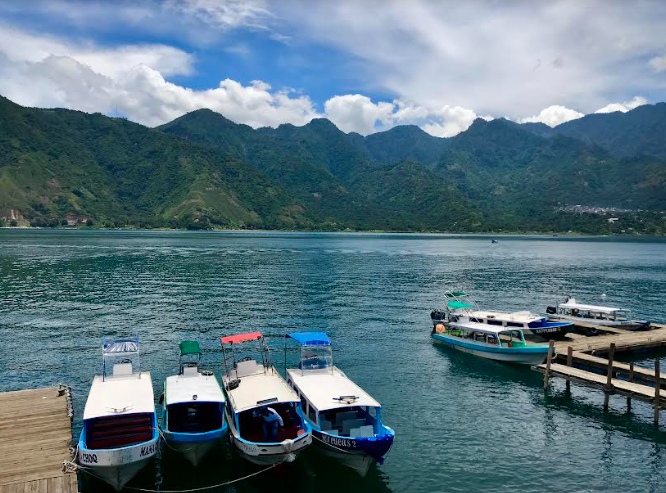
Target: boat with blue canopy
535	328
119	434
192	407
346	421
264	414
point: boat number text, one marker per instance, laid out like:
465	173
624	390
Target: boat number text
149	450
89	458
339	442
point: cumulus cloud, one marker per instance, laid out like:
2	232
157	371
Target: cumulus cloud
357	113
623	107
453	120
554	115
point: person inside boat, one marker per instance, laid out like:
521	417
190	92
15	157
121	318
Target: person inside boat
271	422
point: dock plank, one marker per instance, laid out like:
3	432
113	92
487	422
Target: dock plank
36	437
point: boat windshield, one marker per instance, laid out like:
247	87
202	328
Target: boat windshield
316	358
120	357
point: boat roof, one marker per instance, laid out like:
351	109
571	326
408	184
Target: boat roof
238	338
322	388
184	388
579	306
458	304
119	395
310	338
260	389
477	327
119	345
523	316
189	347
455	294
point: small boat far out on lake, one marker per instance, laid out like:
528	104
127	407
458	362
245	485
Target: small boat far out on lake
346	421
119	434
192	407
263	412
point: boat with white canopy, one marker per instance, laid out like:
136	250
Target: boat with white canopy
594	314
491	342
346	421
192	407
264	414
536	328
119	434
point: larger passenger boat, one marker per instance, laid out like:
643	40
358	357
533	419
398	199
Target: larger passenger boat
119	433
535	328
192	407
264	414
597	315
346	421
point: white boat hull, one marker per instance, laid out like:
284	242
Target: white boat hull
194	452
360	463
267	455
119	476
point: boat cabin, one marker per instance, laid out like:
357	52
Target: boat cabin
332	402
120	410
194	400
264	408
592	312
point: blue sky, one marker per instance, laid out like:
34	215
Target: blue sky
367	65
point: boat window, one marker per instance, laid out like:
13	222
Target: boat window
479	320
312	414
304	405
491	339
494	322
514	324
194	417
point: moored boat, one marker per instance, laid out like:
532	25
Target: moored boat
597	315
346	421
264	414
536	328
192	407
119	434
491	342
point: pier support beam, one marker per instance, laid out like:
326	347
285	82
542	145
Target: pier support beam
609	376
657	388
549	360
569	363
631	379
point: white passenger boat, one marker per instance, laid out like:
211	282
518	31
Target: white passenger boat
597	315
192	407
491	342
119	433
264	414
346	421
536	328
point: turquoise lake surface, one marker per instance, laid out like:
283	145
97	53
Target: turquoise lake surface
462	424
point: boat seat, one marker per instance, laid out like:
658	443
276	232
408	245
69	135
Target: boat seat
351	423
341	417
122	369
245	368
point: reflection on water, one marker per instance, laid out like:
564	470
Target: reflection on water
462	424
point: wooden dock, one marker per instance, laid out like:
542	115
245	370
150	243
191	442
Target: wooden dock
577	360
35	440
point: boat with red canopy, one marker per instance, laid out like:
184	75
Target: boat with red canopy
264	414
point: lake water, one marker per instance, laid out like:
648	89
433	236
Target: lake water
462	424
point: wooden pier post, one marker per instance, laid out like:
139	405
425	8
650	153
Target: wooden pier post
657	388
609	376
569	363
631	379
546	376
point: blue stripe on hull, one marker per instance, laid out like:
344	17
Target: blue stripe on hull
377	447
530	355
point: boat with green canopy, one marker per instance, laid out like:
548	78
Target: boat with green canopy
192	407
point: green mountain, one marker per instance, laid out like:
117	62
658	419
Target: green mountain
641	131
203	170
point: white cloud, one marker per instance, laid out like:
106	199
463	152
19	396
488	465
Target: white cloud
225	14
501	58
554	115
453	120
658	63
623	107
357	113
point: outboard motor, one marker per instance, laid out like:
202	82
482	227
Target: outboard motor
551	310
437	315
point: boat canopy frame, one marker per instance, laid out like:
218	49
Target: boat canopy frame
117	350
315	349
229	344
